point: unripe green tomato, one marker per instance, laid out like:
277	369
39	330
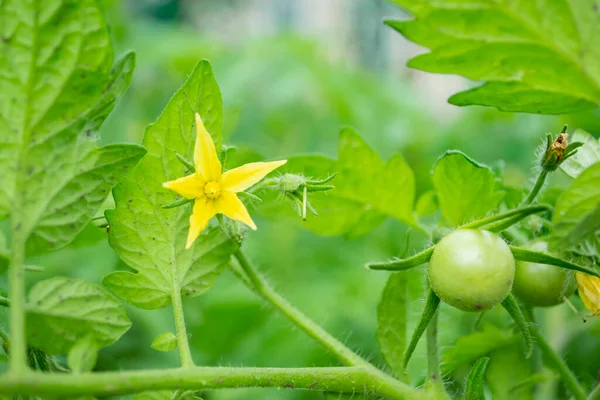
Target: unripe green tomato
472	270
542	285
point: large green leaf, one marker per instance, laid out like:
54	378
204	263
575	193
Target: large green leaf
152	239
586	155
466	190
57	86
367	189
576	217
533	56
61	312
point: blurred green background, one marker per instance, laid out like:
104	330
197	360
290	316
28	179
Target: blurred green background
292	72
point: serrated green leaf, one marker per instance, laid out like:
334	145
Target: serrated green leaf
165	342
63	311
466	190
537	57
392	321
152	239
576	217
82	356
474	388
478	344
367	189
56	89
586	155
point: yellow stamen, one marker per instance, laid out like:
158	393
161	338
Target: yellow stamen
212	190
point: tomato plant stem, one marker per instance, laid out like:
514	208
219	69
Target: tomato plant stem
559	365
336	379
182	338
595	394
536	188
314	330
343	353
433	359
16	289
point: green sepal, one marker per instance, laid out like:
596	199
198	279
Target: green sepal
510	304
403	264
474	386
190	166
177	203
542	258
431	306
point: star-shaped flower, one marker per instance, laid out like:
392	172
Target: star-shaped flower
214	191
588	287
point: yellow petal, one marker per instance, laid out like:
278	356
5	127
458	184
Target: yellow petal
241	178
589	291
231	206
190	187
204	210
206	159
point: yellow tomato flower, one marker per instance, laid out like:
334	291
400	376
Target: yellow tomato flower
213	191
589	291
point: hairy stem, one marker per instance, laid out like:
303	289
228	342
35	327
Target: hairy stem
315	331
340	380
16	288
595	394
550	357
559	365
433	355
536	188
182	337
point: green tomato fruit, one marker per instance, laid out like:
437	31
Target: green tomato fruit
472	270
542	285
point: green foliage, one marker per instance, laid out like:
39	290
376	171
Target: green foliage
61	312
392	321
83	355
469	348
506	368
165	342
56	90
160	395
586	155
537	57
151	239
466	190
475	380
367	189
577	214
